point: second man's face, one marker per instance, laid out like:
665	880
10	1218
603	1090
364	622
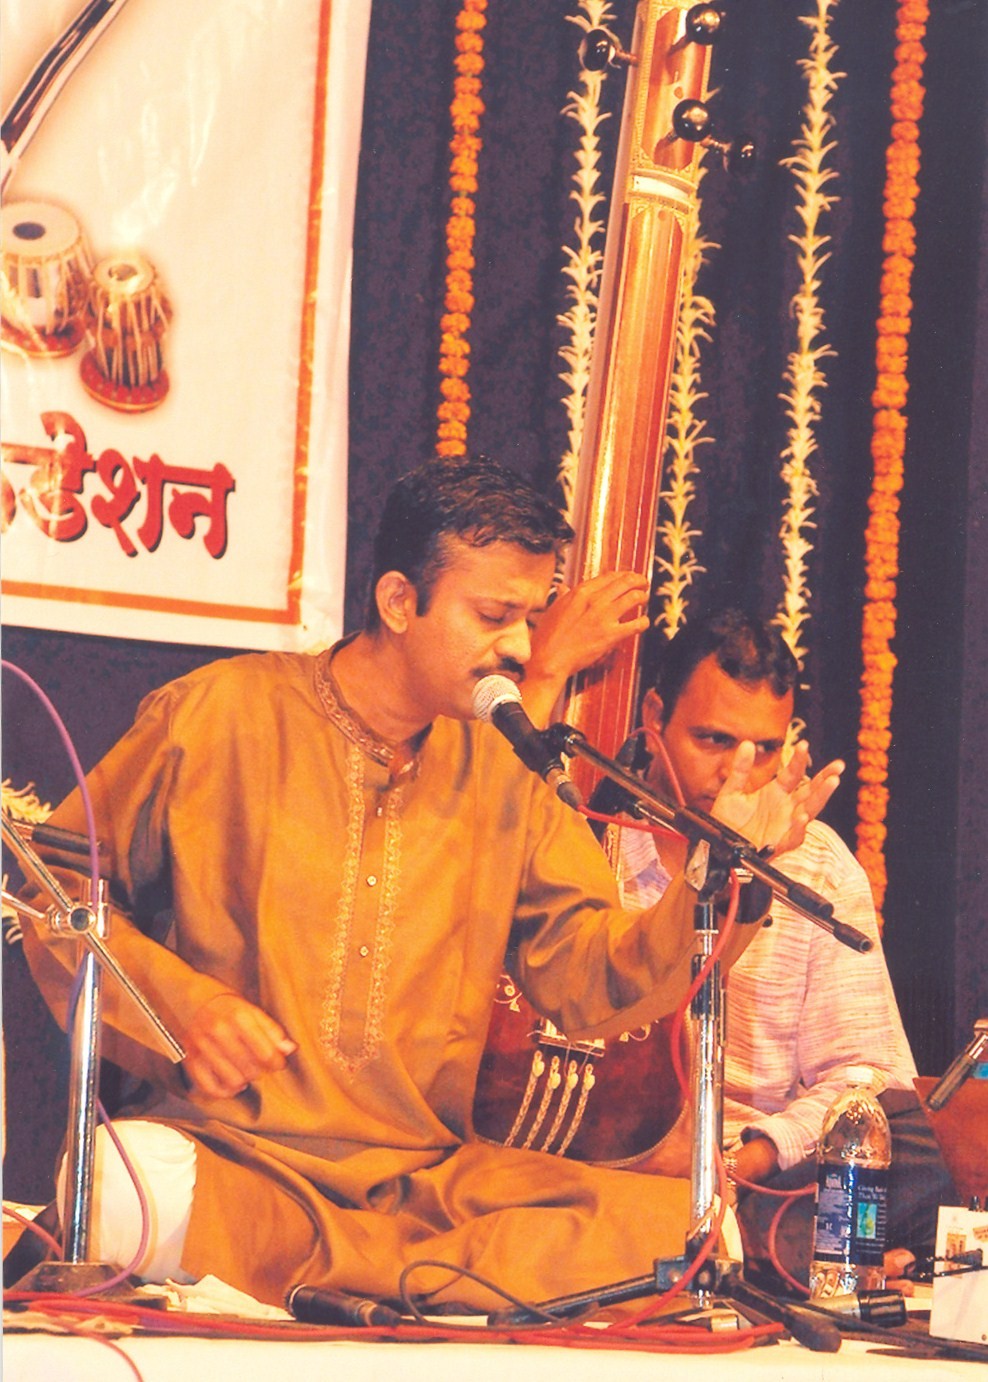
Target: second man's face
710	719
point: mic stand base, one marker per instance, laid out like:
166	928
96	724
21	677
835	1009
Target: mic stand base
722	1301
69	1278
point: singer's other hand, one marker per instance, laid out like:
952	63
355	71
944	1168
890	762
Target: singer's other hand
778	813
229	1043
581	626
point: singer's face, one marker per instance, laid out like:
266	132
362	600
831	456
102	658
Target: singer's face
478	620
713	714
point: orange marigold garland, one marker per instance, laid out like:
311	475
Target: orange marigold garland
889	440
454	348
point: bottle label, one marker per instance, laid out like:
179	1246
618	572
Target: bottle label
850	1215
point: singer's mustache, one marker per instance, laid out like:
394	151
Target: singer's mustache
507	668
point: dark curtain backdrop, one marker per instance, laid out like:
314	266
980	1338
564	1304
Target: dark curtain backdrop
938	821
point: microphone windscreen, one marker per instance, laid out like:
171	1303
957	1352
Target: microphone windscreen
492	691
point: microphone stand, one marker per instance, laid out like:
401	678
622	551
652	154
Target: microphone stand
714	851
86	922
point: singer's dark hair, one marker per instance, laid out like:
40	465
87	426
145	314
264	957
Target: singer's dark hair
474	499
747	648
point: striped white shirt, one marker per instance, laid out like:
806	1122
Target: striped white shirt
801	1007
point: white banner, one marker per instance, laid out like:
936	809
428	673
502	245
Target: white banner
177	228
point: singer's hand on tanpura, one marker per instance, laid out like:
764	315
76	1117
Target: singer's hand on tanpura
581	626
230	1042
777	814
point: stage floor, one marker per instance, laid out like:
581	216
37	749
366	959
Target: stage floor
51	1358
101	1353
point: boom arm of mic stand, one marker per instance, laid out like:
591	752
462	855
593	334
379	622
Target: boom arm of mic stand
75	921
728	845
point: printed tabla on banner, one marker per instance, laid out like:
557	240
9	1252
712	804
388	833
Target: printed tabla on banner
177	229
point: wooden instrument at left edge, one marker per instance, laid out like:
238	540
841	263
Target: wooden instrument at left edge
614	1103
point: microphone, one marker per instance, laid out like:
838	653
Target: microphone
960	1067
313	1305
871	1307
497	701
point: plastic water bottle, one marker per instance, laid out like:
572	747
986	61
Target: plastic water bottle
853	1157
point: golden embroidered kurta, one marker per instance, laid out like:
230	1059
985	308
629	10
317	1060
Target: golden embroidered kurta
368	910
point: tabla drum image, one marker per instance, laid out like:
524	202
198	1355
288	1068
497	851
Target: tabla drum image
44	281
127	316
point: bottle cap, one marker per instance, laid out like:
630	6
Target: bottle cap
860	1074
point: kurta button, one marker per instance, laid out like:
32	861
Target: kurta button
371	880
364	951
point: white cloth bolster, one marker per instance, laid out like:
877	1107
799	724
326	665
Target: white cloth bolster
165	1162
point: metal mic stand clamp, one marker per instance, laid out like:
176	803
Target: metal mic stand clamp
88	923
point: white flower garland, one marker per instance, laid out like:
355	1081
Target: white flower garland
803	373
685	431
585	260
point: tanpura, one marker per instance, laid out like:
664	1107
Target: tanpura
613	1103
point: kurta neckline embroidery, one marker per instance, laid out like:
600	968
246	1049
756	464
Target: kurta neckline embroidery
400	761
351	1050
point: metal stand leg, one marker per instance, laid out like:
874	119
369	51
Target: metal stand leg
89	924
707	1100
83	1095
76	1272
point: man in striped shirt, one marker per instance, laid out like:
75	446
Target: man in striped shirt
801	1007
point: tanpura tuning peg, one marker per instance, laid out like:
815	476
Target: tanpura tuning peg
692	120
599	48
704	23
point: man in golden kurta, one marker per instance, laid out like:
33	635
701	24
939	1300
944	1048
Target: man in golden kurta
320	863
